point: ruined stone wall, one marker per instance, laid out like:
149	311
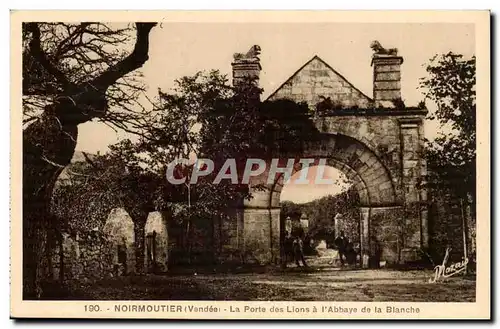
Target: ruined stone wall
87	257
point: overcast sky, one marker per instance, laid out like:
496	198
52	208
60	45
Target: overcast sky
179	49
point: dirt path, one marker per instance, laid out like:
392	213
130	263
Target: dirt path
320	283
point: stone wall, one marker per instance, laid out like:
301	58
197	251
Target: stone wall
95	255
86	257
380	134
386	235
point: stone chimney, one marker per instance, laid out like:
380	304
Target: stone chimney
386	75
246	66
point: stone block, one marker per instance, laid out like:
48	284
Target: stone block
387	184
356	164
387	94
387	68
387	76
363	169
364	157
260	199
386	85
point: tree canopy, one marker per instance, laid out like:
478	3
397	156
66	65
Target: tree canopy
451	157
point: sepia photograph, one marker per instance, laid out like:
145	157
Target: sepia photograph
312	160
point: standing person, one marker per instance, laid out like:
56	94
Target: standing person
341	242
350	253
298	242
288	247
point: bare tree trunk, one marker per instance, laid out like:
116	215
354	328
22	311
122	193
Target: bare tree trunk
48	147
34	241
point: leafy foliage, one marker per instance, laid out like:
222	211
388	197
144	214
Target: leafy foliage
91	188
451	85
451	157
323	212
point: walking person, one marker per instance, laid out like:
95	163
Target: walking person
341	242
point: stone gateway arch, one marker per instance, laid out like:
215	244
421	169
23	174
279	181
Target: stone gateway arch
376	142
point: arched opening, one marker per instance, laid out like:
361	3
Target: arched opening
323	202
156	243
119	229
380	211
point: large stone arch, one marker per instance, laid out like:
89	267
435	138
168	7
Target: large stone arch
382	155
372	180
358	162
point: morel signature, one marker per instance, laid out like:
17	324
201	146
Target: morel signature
441	271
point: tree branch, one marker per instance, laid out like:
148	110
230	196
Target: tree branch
38	53
132	62
89	160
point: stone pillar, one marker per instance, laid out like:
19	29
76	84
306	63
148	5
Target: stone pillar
415	196
275	244
261	232
261	235
385	235
424	210
386	79
365	236
229	236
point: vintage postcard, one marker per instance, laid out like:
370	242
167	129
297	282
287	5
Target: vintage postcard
250	164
